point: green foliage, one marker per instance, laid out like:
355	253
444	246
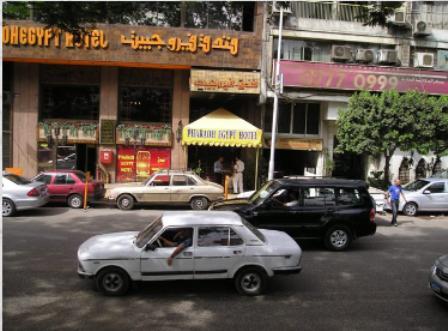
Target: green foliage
15	10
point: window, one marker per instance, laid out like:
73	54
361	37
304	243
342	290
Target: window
180	180
70	179
296	118
437	188
348	197
145	104
43	178
161	180
145	235
60	179
70	102
318	196
218	236
286	197
173	237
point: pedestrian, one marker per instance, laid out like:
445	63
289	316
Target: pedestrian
393	194
218	170
237	179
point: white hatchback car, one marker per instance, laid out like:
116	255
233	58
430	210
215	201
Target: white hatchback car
189	245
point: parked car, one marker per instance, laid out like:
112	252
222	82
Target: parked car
429	194
69	186
380	198
223	245
169	187
335	210
19	193
438	278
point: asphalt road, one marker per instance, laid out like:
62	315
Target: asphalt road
380	284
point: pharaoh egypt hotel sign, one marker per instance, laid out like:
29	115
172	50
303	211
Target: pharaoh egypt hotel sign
24	40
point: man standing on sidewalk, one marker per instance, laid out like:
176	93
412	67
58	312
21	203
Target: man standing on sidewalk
238	176
393	193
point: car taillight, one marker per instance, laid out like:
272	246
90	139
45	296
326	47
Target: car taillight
33	193
372	215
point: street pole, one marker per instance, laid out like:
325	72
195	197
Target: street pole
276	95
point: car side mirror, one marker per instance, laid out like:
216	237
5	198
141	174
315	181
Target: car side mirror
150	247
426	192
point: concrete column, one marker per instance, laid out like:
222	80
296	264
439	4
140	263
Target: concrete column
181	112
25	116
109	110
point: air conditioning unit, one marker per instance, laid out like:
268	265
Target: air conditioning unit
399	17
421	28
341	53
424	60
286	7
365	55
387	56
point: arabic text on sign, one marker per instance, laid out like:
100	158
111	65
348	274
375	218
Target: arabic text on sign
175	44
212	84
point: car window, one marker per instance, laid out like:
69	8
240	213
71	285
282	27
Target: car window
161	180
191	181
437	188
254	230
145	235
43	178
81	176
70	179
348	197
180	180
60	179
415	186
318	196
218	236
173	237
17	179
286	197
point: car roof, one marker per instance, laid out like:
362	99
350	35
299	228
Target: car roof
321	182
200	218
434	179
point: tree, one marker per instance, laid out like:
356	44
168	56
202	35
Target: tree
378	124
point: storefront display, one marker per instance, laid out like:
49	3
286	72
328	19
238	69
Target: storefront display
136	163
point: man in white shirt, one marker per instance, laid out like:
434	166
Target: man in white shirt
218	169
238	169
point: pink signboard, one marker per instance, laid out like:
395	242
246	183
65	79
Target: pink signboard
358	77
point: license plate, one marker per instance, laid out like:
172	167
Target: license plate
435	287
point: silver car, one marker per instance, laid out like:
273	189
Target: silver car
429	194
438	278
19	194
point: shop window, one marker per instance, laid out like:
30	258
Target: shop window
70	102
299	118
145	104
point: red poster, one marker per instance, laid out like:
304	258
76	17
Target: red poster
138	163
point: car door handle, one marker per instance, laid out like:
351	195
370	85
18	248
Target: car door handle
237	252
187	254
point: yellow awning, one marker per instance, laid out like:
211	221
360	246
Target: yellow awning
222	128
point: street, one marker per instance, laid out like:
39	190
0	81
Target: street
379	284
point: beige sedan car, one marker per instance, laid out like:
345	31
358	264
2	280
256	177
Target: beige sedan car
168	188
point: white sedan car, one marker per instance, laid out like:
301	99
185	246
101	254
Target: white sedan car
189	245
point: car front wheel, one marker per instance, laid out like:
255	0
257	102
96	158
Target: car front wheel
75	201
251	281
410	209
338	238
8	208
199	203
125	202
113	282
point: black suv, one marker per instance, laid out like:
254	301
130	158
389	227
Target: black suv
335	210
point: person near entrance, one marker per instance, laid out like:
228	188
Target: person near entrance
394	193
237	179
218	170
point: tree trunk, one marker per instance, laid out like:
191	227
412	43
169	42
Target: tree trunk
386	169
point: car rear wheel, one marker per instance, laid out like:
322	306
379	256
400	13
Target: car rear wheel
338	238
75	201
199	203
251	281
125	202
410	209
113	282
8	208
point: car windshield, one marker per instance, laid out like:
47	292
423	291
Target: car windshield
144	236
415	186
149	178
81	176
17	179
254	230
261	195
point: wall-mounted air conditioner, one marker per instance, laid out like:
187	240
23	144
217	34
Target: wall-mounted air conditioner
387	56
341	53
399	17
424	60
286	7
421	28
365	55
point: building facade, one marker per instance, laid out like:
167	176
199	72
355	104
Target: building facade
114	101
327	54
